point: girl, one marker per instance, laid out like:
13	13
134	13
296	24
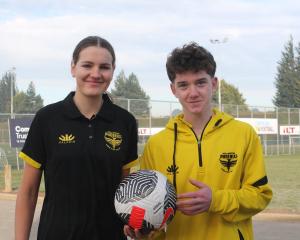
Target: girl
83	145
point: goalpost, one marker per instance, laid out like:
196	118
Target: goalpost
294	144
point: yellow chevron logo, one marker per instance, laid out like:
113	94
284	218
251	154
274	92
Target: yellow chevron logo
113	140
66	138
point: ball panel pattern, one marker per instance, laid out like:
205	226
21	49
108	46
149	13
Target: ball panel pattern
170	201
145	200
136	186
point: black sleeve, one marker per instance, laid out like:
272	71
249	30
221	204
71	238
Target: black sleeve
132	141
33	151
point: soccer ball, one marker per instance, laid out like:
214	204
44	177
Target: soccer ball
145	200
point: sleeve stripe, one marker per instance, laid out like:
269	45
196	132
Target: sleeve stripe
29	160
260	182
131	164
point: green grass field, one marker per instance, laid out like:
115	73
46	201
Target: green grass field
16	179
283	173
284	177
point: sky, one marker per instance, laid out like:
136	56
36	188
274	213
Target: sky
37	38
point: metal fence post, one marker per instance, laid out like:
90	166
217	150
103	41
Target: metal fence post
277	115
150	116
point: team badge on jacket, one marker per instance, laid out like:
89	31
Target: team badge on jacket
228	161
113	140
66	138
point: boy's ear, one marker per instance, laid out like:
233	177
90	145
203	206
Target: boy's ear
172	86
215	83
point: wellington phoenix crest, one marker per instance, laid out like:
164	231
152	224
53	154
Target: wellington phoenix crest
113	140
228	161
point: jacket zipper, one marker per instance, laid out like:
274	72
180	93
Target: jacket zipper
199	143
200	152
199	148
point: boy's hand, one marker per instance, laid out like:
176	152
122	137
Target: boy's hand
193	203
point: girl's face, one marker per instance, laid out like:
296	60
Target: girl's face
93	71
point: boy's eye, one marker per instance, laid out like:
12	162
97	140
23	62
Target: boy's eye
86	65
181	85
105	67
200	83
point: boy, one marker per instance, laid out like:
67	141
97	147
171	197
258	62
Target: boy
214	161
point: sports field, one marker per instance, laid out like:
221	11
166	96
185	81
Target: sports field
284	177
283	173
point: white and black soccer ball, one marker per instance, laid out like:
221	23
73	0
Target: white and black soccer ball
145	200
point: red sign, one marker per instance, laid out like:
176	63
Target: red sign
290	130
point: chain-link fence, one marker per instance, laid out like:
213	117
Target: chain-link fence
152	114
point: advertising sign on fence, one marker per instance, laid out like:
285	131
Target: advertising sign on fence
290	130
148	131
18	130
262	125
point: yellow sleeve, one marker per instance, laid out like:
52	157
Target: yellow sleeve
255	192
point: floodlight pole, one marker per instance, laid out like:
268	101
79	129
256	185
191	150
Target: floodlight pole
12	80
219	41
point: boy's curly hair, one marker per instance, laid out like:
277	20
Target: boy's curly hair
191	57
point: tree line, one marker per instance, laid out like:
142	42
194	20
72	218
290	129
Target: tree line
287	80
23	102
287	83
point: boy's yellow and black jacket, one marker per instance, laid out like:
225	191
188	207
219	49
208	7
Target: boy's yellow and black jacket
228	158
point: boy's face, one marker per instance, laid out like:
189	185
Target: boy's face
194	91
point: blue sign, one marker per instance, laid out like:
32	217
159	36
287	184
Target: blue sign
18	130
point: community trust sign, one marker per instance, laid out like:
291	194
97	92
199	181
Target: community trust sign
18	131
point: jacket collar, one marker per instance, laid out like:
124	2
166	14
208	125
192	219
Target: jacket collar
73	112
217	120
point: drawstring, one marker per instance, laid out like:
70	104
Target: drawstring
174	167
174	152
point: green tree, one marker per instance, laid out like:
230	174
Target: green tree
129	88
35	102
5	92
19	101
120	86
23	102
297	82
287	80
231	97
230	94
28	102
